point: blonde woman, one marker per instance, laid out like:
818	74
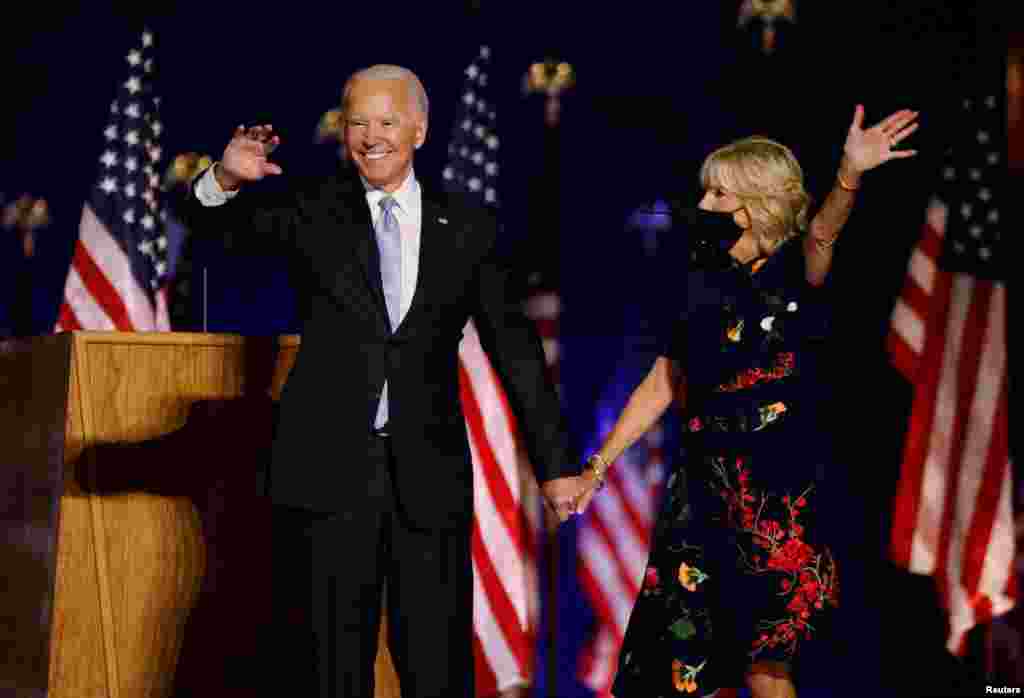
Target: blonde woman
739	575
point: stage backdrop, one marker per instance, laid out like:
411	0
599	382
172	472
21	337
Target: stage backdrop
657	89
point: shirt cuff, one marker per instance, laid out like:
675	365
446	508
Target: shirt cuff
209	191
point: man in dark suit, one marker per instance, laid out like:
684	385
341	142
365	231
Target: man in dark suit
371	439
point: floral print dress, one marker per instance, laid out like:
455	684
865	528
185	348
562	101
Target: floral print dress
738	573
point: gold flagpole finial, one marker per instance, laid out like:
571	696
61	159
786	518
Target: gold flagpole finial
329	127
26	215
550	78
184	168
768	12
328	130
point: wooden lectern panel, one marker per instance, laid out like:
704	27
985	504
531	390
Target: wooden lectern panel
31	475
149	548
135	559
77	651
139	568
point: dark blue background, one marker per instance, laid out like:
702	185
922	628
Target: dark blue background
659	85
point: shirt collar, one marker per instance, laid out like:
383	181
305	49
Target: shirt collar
404	195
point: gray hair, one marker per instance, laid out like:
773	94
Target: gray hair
391	72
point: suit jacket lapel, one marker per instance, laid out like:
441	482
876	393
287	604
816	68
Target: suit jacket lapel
366	247
432	236
433	227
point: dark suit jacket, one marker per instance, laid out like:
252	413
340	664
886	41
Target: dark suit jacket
323	228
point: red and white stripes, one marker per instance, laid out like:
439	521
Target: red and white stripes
507	523
952	514
613	546
101	292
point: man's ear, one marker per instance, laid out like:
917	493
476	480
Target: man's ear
421	135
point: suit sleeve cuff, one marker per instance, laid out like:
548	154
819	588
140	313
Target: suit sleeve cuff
209	191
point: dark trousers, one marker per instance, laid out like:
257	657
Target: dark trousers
428	577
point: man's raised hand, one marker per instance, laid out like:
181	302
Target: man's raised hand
245	157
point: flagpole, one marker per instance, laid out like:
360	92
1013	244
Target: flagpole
25	215
548	276
550	79
182	270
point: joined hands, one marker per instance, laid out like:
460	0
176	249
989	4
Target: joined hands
570	495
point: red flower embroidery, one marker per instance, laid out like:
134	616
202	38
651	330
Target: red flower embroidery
770	532
811	581
791	556
780	368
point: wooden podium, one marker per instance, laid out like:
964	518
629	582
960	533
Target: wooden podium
137	540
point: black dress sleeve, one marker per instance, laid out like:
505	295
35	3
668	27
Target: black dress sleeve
702	299
674	344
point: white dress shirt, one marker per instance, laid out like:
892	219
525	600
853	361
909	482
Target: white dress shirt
409	213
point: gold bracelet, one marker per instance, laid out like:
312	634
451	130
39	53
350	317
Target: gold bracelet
599	466
843	184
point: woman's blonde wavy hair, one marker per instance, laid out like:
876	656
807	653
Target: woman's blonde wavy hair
769	182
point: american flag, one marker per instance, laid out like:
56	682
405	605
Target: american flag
953	511
612	547
507	504
116	280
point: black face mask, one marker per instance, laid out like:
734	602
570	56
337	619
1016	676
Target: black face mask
710	236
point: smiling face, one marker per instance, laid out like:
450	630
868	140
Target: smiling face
383	128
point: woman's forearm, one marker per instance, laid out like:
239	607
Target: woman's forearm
828	223
646	405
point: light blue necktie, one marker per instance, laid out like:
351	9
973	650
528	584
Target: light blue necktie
389	242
